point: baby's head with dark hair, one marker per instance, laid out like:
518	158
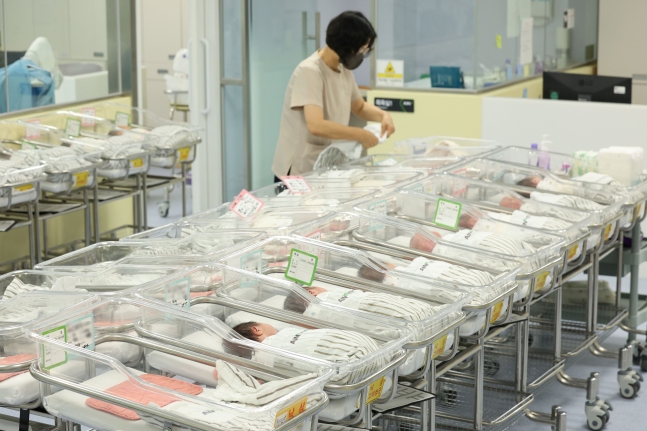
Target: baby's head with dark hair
531	181
369	273
255	331
295	303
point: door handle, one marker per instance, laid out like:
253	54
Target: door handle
207	75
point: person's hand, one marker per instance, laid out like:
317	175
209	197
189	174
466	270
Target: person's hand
387	125
368	140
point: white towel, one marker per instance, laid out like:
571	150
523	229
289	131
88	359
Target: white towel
343	151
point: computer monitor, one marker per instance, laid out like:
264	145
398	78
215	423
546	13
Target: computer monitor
586	88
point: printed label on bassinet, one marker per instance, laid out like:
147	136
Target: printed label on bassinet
88	122
80	332
20	189
302	267
607	231
80	179
496	312
73	127
183	154
53	356
379	207
252	262
447	213
246	204
439	347
290	412
375	390
540	281
572	251
296	184
136	163
178	293
32	132
122	119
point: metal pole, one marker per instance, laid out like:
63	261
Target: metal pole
632	318
95	199
184	188
247	109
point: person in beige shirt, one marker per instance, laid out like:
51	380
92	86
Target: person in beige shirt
321	95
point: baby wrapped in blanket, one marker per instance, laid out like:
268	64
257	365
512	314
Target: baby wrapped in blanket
560	200
332	345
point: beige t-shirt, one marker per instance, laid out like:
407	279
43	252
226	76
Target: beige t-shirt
312	83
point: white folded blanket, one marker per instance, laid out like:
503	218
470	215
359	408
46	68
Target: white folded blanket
567	201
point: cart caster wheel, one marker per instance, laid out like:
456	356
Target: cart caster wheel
597	423
629	382
491	367
163	208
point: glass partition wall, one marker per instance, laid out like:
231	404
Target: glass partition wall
56	52
475	44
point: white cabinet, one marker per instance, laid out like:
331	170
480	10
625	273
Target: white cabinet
88	29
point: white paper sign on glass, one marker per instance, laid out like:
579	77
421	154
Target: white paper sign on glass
73	127
246	204
525	41
296	184
389	73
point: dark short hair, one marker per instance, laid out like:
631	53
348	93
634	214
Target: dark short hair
245	329
295	303
348	32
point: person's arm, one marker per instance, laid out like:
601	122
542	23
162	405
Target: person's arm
369	112
320	127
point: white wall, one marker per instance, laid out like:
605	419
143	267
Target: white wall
571	126
164	28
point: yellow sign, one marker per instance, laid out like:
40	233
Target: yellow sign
572	251
375	390
137	163
389	68
439	347
291	411
496	312
499	43
80	179
183	154
541	280
390	73
607	231
24	188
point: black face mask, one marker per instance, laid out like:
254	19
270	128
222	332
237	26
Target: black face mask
352	61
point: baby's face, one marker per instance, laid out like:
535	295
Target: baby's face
509	202
316	290
467	221
420	242
534	181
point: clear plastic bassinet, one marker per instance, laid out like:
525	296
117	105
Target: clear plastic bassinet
442	146
401	162
278	195
345	177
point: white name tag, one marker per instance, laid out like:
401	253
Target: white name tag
245	204
447	213
73	127
296	184
301	267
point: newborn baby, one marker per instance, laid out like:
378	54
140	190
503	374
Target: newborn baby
383	304
333	345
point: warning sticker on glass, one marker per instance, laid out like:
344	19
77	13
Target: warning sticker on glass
302	267
290	412
447	213
122	119
296	184
73	127
52	356
178	293
246	204
80	332
252	262
32	131
88	122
